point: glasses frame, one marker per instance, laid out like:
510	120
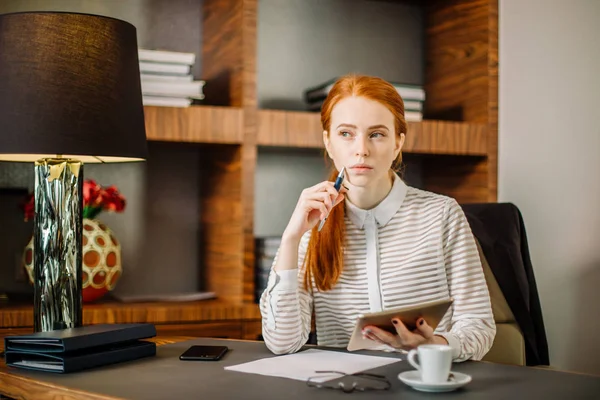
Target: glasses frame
354	387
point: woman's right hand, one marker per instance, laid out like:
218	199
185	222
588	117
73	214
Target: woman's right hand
313	205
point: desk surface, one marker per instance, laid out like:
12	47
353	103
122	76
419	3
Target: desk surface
164	376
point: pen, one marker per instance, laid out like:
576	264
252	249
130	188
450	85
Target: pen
337	185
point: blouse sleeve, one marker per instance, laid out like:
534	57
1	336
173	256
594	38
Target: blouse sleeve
472	326
286	308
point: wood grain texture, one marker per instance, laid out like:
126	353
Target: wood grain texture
252	330
461	77
493	60
303	129
456	76
443	137
249	160
249	150
230	45
289	129
157	313
222	223
460	177
20	387
194	124
229	52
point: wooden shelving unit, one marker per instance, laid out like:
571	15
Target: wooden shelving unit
195	124
458	145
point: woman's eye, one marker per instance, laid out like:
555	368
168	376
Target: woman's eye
345	134
377	134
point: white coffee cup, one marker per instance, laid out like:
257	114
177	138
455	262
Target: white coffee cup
435	361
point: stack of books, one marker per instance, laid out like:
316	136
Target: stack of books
75	349
413	96
266	249
167	79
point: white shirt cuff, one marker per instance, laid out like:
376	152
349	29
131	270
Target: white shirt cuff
452	342
287	279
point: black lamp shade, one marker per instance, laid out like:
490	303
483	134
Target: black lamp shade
69	86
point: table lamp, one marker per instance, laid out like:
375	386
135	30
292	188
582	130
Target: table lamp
69	94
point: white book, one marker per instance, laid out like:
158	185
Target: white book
166	101
411	93
164	56
411	105
163	68
173	89
413	116
166	78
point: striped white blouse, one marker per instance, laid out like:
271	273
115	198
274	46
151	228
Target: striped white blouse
414	247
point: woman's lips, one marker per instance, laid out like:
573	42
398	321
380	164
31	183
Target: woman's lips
361	168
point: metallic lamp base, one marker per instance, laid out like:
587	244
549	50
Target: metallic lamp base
57	244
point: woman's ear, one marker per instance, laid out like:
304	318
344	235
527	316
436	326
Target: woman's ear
327	143
399	144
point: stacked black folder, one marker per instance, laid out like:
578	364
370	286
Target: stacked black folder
75	349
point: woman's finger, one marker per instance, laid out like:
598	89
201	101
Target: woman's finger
322	186
424	329
402	330
339	199
310	205
325	198
374	338
325	186
384	337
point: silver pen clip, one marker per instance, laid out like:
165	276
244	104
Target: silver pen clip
337	185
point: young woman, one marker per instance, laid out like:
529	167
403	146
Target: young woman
384	244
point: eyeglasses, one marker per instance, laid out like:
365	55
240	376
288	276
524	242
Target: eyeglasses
348	383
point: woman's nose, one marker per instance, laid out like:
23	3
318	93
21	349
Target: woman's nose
362	148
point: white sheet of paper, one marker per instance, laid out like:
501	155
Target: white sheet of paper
303	365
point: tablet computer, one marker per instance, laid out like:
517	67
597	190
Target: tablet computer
432	312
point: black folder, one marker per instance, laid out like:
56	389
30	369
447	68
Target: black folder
75	349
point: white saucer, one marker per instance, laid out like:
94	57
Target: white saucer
413	379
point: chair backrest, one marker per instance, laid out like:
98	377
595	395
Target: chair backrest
509	344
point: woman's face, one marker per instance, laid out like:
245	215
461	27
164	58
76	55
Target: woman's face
362	138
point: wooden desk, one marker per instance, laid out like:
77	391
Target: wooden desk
164	376
19	387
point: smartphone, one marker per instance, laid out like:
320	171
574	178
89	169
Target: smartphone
204	353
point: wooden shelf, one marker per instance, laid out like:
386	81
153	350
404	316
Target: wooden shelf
194	124
445	137
289	129
303	129
157	313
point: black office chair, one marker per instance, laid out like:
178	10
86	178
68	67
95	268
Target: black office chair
502	240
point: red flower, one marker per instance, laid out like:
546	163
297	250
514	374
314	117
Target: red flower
112	200
95	199
28	207
92	194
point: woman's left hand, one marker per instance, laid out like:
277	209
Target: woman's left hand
404	338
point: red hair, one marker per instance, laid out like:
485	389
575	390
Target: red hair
324	256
